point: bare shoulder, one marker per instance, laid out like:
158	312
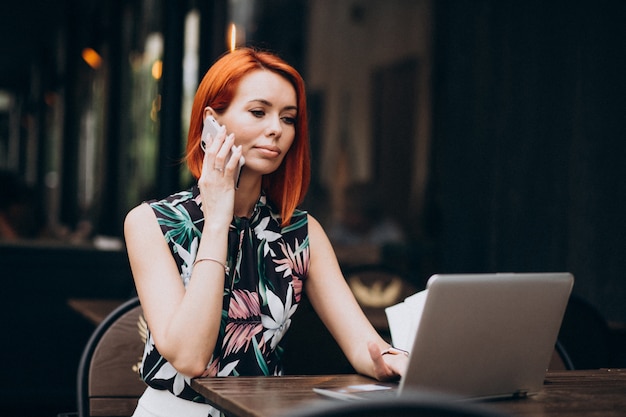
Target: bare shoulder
314	226
318	240
147	249
138	213
322	254
139	218
141	227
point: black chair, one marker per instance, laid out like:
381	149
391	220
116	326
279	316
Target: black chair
414	404
585	336
108	381
561	359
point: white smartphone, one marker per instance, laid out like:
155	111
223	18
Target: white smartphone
210	130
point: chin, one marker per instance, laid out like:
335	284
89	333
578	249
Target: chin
262	168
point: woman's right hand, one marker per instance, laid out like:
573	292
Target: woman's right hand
217	180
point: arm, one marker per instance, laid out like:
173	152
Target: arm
338	309
185	322
186	344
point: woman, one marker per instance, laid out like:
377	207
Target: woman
219	270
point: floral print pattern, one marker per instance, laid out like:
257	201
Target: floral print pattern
268	265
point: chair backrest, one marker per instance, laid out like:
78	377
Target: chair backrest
108	375
585	335
560	360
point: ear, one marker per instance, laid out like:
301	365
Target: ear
208	111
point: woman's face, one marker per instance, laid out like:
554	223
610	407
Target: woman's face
262	116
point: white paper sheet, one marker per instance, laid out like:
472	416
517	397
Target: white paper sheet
404	318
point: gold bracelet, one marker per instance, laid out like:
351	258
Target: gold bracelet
226	268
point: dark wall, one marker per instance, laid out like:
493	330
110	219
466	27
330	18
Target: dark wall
529	141
43	338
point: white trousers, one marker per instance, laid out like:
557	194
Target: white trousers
162	403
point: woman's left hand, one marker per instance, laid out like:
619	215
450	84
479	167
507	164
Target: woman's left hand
387	367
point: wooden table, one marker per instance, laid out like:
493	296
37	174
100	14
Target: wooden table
565	394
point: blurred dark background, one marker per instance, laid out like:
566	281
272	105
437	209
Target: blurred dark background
490	134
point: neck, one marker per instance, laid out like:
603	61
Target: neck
247	196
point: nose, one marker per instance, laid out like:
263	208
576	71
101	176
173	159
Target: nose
275	128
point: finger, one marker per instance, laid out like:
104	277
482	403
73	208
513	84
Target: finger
233	162
211	151
222	156
207	164
218	140
227	146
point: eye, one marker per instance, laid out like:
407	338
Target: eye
289	120
257	113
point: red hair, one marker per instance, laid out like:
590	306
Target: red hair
287	186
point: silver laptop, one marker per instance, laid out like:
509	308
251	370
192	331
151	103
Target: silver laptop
481	336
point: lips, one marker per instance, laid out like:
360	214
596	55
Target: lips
269	151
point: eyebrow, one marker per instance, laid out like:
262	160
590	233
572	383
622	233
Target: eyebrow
267	103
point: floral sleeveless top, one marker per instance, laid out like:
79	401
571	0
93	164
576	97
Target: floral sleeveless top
268	264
